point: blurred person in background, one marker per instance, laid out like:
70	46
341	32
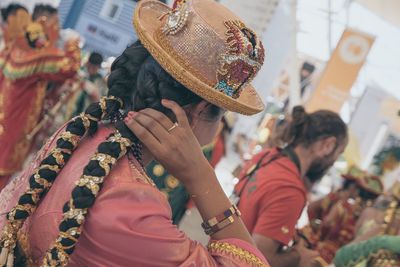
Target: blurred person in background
48	15
26	68
50	117
93	87
377	241
318	209
8	15
337	227
273	187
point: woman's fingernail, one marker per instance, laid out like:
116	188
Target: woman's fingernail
127	119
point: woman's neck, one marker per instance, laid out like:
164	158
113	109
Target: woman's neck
146	156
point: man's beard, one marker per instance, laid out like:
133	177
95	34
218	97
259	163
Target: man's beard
319	167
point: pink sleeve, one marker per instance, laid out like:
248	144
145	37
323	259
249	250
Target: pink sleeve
130	225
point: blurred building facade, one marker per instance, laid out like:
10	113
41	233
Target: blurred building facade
105	25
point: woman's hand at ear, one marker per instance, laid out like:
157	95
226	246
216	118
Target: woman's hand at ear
172	144
177	149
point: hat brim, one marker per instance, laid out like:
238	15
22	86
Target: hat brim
364	185
147	22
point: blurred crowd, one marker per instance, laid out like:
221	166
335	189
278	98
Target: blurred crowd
46	80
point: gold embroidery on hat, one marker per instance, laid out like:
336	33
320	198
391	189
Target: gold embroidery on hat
176	19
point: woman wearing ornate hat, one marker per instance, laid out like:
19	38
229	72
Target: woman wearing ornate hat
86	200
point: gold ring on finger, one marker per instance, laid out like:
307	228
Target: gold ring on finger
173	127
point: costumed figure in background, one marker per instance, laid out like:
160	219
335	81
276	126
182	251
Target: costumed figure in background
319	209
378	235
8	36
26	67
89	201
58	92
338	226
10	26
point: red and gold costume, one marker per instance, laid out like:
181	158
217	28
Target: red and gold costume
324	206
378	235
338	226
25	73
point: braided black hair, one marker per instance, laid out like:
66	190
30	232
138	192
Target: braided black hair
136	81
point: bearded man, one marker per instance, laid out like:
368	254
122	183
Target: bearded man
273	188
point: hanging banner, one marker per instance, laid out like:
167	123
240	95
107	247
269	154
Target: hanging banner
341	71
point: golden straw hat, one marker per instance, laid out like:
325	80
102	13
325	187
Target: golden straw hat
365	180
206	48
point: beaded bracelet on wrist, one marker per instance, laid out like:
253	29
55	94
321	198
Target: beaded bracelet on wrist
221	221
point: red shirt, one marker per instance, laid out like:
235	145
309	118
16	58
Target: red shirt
272	201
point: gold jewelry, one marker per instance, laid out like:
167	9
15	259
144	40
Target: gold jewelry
173	127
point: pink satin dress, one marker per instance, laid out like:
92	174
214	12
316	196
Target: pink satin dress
129	224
